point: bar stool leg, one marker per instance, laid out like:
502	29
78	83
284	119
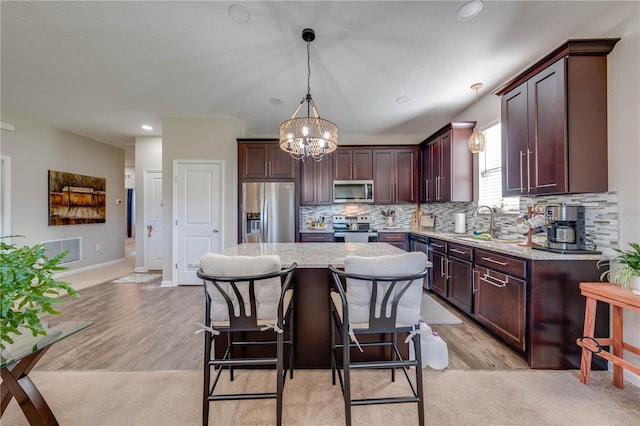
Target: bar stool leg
589	328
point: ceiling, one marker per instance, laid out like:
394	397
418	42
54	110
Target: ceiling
102	69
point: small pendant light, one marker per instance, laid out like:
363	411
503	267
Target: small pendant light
476	140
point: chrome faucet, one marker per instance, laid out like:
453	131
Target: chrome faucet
492	228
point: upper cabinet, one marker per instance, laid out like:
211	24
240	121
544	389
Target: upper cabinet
262	159
554	122
316	182
446	164
395	175
351	163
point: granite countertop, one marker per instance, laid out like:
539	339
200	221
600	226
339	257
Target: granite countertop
313	255
504	247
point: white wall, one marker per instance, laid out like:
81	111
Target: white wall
204	139
34	149
148	157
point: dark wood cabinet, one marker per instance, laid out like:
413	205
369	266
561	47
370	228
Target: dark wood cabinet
500	305
316	182
447	164
532	305
262	159
316	237
395	175
438	258
352	164
554	122
397	239
460	274
500	296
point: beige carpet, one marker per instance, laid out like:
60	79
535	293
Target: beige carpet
453	397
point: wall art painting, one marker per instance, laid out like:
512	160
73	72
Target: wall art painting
75	199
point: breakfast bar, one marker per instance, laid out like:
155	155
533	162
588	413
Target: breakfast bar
311	281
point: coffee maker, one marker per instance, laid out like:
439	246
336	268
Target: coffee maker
565	229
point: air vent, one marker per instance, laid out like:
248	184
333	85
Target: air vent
74	245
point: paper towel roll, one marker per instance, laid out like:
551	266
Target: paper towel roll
460	227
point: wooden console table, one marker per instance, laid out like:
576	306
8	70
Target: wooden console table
619	299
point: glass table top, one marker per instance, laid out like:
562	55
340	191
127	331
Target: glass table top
25	344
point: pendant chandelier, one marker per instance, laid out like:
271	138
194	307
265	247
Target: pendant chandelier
476	140
309	136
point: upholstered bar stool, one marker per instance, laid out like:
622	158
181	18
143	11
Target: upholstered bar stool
244	297
382	297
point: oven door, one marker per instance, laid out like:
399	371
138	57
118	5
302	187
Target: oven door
355	237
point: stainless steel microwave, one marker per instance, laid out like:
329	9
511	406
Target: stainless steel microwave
353	191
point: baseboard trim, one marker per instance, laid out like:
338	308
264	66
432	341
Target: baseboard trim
88	268
167	283
140	269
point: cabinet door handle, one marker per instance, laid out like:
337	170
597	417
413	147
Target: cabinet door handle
437	245
474	276
529	152
521	180
458	251
426	189
488	259
493	281
442	272
448	263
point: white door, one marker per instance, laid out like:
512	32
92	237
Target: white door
154	234
198	212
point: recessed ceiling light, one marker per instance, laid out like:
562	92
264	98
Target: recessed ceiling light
238	13
469	10
147	127
275	101
402	99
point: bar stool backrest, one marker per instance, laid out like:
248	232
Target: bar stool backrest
248	287
367	297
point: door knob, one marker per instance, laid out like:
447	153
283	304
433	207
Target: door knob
149	230
215	231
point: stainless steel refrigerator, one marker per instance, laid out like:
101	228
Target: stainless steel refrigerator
268	212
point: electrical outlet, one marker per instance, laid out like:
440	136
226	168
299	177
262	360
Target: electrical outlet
98	247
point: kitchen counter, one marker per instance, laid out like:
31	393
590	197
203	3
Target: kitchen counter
509	248
313	255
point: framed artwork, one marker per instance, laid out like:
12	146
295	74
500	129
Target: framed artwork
76	199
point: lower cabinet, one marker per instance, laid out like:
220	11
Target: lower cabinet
500	305
500	295
532	305
460	277
316	237
438	257
398	239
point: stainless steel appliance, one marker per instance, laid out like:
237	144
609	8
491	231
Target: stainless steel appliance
353	191
353	229
268	212
565	226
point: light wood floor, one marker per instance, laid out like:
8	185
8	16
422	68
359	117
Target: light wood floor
147	327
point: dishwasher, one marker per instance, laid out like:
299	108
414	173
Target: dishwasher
421	243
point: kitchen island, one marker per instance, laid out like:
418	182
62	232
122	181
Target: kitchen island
311	282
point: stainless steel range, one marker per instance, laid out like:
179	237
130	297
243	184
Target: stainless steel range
353	229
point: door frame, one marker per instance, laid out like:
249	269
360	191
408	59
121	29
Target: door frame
146	189
5	193
174	211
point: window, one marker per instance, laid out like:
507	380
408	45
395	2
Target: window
490	172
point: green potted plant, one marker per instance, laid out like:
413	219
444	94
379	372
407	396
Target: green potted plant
628	275
28	288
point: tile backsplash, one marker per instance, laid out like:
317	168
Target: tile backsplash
601	222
